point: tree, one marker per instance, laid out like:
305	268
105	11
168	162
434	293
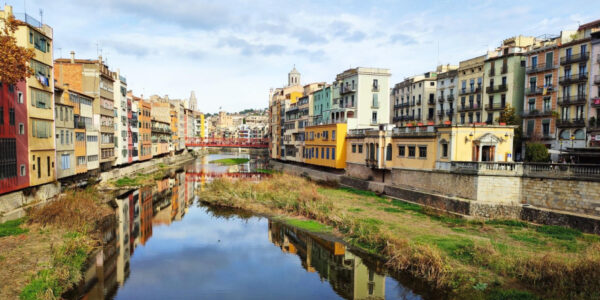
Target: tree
536	152
13	58
509	116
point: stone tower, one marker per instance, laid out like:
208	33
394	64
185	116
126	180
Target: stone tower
293	77
193	101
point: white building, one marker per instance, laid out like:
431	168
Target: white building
121	121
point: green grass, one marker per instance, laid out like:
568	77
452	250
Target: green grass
558	232
511	223
266	171
230	161
457	247
499	294
360	192
392	210
355	209
527	238
64	270
407	206
12	227
309	225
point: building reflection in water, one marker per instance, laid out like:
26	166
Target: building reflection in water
135	214
346	273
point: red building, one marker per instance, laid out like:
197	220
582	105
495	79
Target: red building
129	133
14	162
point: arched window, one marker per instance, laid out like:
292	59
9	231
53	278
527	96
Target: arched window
579	135
388	152
565	134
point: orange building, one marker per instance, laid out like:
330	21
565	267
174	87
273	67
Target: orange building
145	128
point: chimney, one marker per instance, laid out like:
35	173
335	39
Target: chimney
72	57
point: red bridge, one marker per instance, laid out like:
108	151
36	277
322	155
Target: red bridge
227	142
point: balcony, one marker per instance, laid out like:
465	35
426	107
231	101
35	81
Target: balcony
397	105
450	113
577	122
107	112
574	78
543	136
418	102
595	102
430	102
572	100
430	118
536	113
492	72
597	79
470	107
504	69
161	130
372	163
397	119
440	113
441	99
539	68
79	125
346	89
496	89
466	91
495	106
450	97
574	58
539	90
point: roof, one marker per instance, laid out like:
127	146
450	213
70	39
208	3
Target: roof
589	25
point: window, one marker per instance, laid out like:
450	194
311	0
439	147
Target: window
65	162
39	41
327	156
353	148
11	116
23	170
411	151
374	118
546	127
81	160
41	99
360	148
20	97
423	151
21	128
333	135
388	152
40	129
375	101
92	158
322	153
444	150
8	158
401	150
92	138
1	115
333	153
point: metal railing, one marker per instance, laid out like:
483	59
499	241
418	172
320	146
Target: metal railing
495	106
539	68
568	79
496	89
552	170
571	100
573	58
536	113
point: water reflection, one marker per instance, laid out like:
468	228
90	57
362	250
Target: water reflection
346	273
162	247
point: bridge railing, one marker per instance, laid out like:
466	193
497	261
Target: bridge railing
227	142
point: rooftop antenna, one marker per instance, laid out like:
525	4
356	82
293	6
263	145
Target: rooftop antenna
41	16
438	52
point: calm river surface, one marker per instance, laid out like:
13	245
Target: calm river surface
167	246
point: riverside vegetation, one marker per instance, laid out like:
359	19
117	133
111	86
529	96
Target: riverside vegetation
42	255
468	259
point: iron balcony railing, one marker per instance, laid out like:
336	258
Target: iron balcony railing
495	106
496	89
572	100
539	90
536	113
466	91
345	89
441	99
450	97
539	68
469	107
574	58
576	122
573	78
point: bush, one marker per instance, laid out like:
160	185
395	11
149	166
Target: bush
536	152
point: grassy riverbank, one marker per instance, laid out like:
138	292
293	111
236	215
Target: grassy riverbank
230	161
41	255
498	259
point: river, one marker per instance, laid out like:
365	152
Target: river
165	245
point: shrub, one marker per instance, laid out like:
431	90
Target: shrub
536	152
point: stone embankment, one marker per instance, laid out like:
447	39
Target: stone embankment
540	200
13	205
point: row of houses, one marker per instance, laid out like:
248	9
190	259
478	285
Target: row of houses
450	114
76	117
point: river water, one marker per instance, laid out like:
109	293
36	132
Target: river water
165	245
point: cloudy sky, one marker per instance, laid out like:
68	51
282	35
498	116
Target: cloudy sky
231	52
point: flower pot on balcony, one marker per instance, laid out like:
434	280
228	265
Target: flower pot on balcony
430	123
409	125
419	124
447	123
502	124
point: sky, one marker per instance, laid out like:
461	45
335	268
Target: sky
232	52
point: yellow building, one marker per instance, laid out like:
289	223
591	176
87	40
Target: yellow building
325	145
202	126
34	35
428	147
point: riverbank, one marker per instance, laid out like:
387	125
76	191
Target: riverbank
43	253
497	259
